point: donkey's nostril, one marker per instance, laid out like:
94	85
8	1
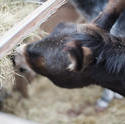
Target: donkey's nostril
33	51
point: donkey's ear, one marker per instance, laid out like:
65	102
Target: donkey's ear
80	57
87	56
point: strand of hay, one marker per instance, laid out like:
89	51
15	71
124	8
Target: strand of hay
6	74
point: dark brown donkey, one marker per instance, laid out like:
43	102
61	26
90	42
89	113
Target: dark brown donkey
77	55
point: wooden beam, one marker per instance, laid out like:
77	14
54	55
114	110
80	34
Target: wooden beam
11	119
30	23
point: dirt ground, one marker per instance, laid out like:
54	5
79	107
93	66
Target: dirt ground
49	104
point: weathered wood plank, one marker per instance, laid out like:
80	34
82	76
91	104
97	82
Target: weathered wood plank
21	29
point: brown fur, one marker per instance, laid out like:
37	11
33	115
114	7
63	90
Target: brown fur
87	56
24	74
89	46
107	18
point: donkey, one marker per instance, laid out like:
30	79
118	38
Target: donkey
77	55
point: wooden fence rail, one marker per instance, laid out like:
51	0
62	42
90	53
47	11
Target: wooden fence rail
28	24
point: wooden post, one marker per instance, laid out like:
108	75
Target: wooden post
21	29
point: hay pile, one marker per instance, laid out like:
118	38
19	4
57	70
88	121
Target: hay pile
6	74
49	104
11	12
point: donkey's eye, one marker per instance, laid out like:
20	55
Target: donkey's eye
22	69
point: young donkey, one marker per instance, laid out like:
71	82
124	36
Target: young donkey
77	55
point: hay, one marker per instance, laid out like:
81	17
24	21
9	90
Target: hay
6	73
11	12
36	35
49	104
